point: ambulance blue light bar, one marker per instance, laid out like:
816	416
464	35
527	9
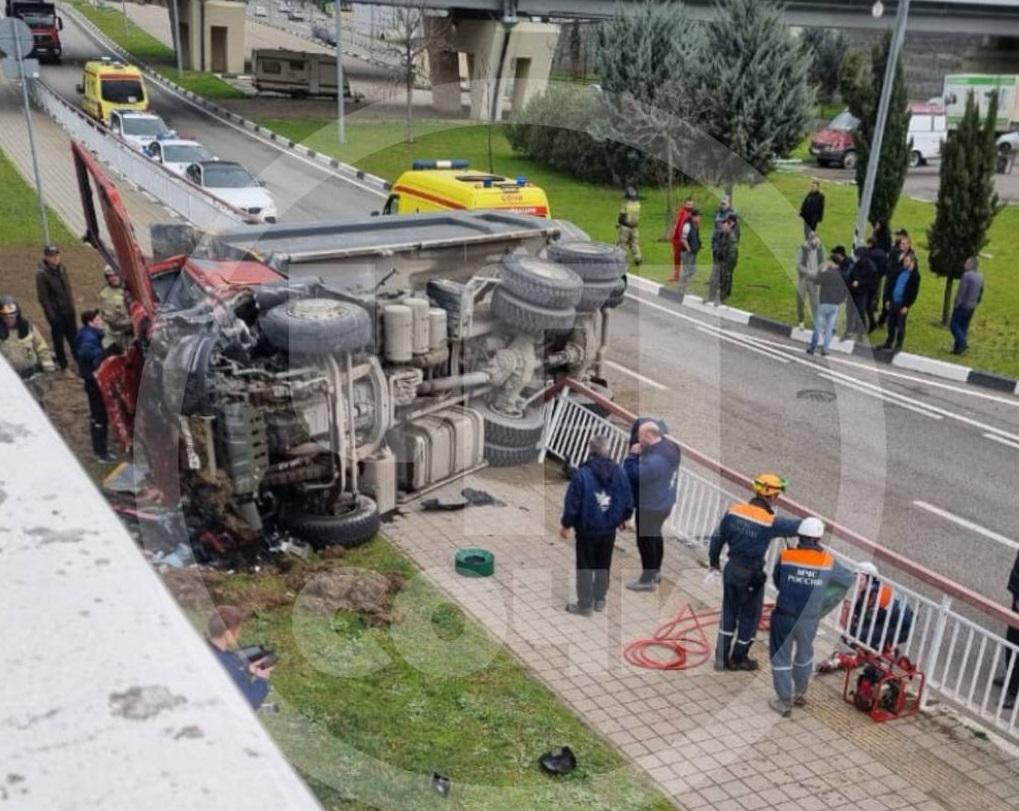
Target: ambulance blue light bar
419	166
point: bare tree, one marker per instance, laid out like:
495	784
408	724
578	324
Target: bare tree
408	37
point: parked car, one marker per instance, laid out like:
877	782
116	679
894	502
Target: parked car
177	154
297	73
234	185
261	11
137	130
1008	148
835	144
324	33
928	128
296	16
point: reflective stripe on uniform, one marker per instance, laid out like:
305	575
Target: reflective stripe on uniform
752	512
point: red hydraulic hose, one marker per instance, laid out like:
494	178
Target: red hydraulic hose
683	638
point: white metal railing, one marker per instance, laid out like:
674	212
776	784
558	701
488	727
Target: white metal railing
192	203
959	657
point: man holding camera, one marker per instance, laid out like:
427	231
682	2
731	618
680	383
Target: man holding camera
250	676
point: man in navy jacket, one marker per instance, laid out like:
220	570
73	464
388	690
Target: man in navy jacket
88	349
597	502
653	469
251	678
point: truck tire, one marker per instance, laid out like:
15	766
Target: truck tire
618	294
596	295
500	456
915	158
849	159
541	282
525	316
357	524
313	326
513	432
592	261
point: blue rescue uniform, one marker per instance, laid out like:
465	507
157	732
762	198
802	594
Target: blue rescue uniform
747	529
802	577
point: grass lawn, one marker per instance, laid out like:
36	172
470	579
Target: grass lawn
19	212
150	51
370	710
772	231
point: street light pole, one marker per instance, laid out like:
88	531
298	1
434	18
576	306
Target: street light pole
20	58
341	132
898	36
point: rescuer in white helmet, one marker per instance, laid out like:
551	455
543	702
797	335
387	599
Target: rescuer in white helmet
802	576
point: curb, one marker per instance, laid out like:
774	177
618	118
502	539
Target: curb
343	170
903	360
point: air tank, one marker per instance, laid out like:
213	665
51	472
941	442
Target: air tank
419	334
437	332
398	325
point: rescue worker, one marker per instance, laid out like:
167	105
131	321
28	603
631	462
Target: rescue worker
724	255
23	347
113	309
881	619
747	529
56	298
597	503
628	225
88	345
802	577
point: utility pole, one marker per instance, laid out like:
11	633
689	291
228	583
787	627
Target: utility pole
894	49
19	56
341	130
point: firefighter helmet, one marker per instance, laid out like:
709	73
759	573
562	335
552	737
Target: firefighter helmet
9	305
769	484
631	193
867	568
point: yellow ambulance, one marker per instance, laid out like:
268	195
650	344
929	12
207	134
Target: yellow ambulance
109	85
446	185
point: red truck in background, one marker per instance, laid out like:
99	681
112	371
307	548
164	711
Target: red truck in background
45	24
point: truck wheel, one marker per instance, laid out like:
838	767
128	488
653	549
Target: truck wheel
592	261
849	160
356	523
915	159
312	326
513	432
618	295
500	456
596	295
527	317
541	282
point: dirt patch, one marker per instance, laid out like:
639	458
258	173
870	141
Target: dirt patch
65	401
366	593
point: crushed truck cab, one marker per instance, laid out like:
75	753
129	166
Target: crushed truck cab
301	380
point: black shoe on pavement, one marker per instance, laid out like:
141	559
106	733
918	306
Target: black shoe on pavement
745	664
1009	703
599	605
824	353
800	700
810	351
640	585
779	706
576	608
105	457
999	681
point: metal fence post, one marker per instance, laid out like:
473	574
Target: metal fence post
935	649
553	424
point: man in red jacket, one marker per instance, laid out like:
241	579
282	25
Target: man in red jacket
677	237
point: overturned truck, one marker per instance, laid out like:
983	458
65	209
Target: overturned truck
302	380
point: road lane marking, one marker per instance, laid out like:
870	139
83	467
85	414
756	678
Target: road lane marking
967	524
766	352
883	396
620	368
1002	440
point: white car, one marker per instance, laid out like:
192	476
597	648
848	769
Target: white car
1008	149
260	11
137	130
234	185
177	154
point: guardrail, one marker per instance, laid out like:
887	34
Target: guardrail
960	657
189	201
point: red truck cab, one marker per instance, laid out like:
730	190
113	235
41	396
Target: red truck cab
835	144
45	24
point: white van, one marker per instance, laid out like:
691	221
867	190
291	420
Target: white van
928	128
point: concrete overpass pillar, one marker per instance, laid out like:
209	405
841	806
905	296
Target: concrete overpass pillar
500	57
443	65
212	35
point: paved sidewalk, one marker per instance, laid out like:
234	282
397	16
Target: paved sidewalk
707	739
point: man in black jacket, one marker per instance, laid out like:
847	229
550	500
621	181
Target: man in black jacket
57	300
1011	635
900	294
812	209
863	281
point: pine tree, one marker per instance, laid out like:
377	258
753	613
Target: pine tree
967	203
862	91
760	94
827	49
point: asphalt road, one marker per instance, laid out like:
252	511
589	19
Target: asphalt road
302	189
861	444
